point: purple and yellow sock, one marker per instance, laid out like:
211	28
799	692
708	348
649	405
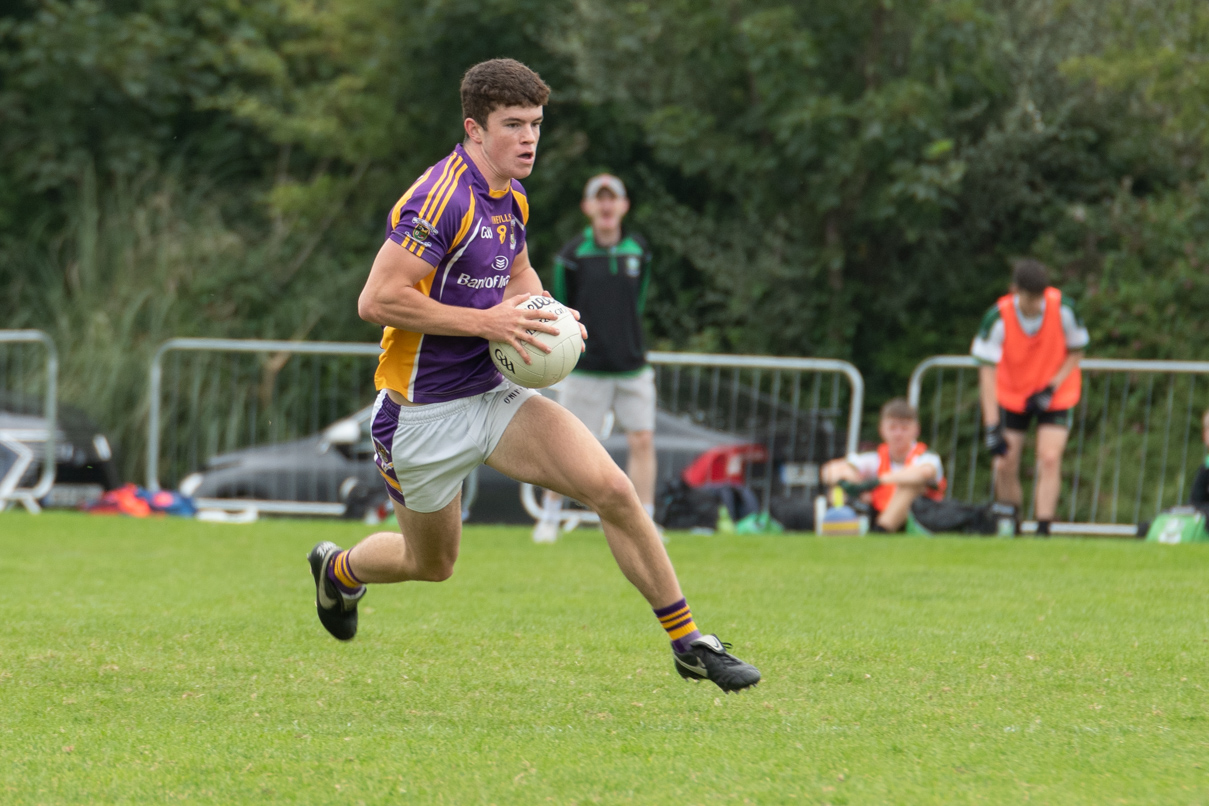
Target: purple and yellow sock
677	619
341	573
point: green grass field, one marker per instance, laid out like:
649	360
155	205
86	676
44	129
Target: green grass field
164	661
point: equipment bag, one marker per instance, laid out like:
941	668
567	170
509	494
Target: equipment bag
933	517
682	506
1178	525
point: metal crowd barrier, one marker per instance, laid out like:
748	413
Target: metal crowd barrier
1134	445
282	427
279	427
29	377
801	412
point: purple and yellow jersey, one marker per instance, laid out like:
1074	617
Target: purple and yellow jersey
470	235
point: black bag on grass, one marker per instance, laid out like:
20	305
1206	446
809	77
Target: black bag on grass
956	517
682	506
795	514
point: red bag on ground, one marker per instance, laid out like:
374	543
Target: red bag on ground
726	464
125	500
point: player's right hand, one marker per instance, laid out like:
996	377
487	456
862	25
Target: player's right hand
994	440
518	326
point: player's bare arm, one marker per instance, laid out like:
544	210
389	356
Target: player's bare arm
523	278
915	474
987	376
390	298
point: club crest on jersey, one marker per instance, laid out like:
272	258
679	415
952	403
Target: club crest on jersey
421	229
512	237
631	266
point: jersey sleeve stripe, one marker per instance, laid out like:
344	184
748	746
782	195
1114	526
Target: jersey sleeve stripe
466	219
436	188
457	177
397	211
988	322
440	197
448	179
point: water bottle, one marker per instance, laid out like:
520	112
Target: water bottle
726	526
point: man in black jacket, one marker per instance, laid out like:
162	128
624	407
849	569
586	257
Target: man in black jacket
603	273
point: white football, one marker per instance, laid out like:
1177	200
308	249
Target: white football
549	368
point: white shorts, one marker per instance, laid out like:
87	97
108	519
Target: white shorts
424	453
631	398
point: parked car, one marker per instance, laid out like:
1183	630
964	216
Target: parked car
85	466
332	467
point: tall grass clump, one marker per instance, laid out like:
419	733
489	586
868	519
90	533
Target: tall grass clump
140	261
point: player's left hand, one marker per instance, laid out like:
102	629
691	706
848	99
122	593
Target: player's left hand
583	331
1039	401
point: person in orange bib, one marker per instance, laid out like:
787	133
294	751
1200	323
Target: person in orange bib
1029	346
892	477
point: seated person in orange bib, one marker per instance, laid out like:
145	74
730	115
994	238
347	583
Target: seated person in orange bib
1029	346
892	477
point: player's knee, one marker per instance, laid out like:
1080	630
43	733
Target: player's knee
1049	461
435	571
641	441
614	492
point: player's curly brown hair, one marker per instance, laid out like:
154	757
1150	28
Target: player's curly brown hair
493	84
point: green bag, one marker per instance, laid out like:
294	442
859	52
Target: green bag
1178	525
914	527
759	523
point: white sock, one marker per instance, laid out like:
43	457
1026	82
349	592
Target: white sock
552	508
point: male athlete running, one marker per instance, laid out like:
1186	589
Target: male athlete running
447	279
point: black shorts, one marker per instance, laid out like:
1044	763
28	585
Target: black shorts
1017	421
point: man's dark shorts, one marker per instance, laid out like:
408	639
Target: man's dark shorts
1016	421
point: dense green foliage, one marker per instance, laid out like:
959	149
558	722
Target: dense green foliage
839	178
156	661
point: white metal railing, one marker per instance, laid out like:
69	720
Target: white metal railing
1134	439
17	376
803	411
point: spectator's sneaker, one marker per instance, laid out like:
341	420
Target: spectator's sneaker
545	531
708	659
337	610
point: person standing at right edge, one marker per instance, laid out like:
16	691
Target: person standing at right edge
1029	346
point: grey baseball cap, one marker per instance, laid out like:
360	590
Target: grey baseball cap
604	182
